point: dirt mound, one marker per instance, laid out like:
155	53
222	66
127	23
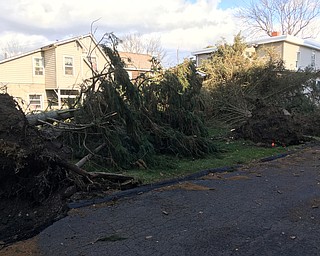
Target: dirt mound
36	179
30	179
270	124
12	120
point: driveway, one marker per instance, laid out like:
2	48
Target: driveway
266	208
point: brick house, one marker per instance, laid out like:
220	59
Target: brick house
136	63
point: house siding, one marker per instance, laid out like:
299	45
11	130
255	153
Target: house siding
202	58
288	52
291	52
50	69
296	52
21	92
89	47
20	70
91	50
19	79
290	55
263	50
305	59
64	81
79	51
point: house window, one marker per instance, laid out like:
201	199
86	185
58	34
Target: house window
35	101
38	66
68	66
69	93
52	98
93	62
313	59
68	97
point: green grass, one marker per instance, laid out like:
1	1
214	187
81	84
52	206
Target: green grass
232	152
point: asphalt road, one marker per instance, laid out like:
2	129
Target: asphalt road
270	208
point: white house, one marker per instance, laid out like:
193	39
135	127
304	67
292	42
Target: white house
296	53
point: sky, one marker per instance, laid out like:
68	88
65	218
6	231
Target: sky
183	26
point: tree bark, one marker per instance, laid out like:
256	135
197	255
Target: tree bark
35	119
110	176
87	157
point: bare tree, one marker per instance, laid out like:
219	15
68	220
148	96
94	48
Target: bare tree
12	48
290	17
137	43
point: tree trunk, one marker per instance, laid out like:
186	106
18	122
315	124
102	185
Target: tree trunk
37	119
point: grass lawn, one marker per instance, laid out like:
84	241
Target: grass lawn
231	152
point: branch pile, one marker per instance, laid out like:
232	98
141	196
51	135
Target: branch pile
258	97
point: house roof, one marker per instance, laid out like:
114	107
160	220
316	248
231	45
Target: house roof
136	61
287	38
204	51
49	46
57	43
19	56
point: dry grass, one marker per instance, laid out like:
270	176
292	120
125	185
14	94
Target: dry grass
238	177
186	186
23	248
222	176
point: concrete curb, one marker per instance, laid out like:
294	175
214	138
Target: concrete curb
150	187
147	188
271	158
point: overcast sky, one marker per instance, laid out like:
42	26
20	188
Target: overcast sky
182	25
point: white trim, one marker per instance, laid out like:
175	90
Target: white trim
313	59
129	74
65	96
298	59
204	51
137	69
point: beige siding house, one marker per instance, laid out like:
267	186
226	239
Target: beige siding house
47	77
296	53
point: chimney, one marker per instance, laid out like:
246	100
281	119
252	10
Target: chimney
275	33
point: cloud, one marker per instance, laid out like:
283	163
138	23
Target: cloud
184	24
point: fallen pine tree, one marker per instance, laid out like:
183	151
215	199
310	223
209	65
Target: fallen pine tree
159	113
